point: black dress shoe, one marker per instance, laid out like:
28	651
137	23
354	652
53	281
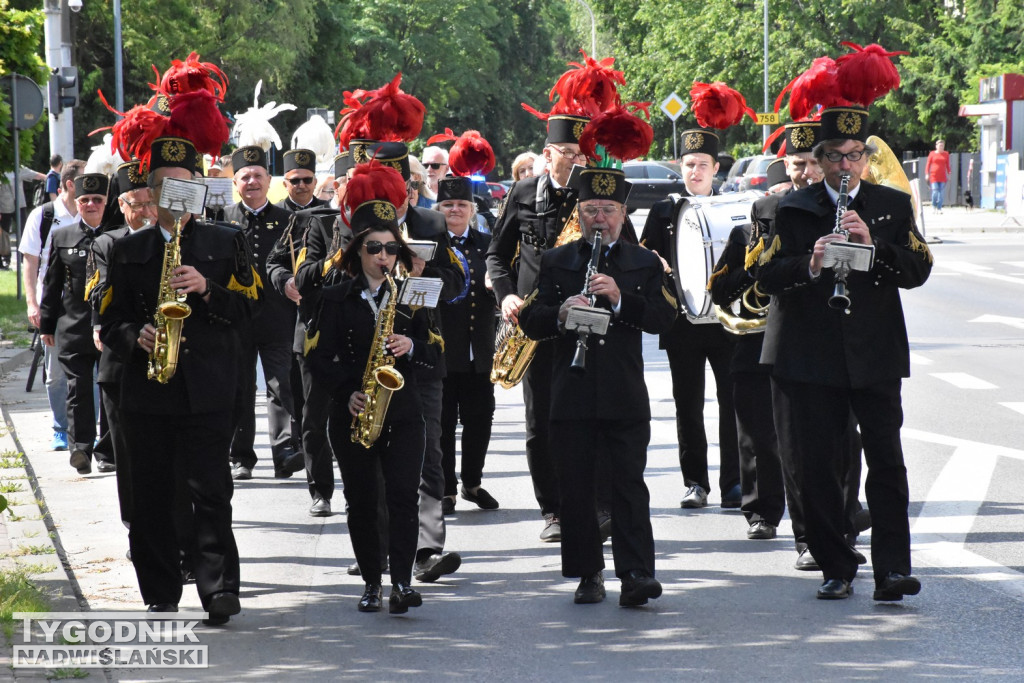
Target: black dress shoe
733	498
163	607
638	588
320	508
761	531
552	530
402	598
894	586
805	562
434	566
835	589
862	520
81	461
106	466
860	556
221	607
590	590
353	569
448	505
481	498
187	576
371	600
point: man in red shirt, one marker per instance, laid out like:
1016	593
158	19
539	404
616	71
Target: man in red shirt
937	169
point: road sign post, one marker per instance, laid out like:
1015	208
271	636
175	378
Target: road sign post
673	106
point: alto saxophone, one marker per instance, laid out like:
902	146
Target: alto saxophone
170	314
380	379
513	350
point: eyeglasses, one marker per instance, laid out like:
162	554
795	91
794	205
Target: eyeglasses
302	181
836	157
567	153
373	248
140	206
412	186
592	211
434	165
91	200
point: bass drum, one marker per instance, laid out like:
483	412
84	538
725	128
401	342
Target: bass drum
702	231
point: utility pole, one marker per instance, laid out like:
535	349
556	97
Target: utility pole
58	54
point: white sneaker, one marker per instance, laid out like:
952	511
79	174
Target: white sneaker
696	497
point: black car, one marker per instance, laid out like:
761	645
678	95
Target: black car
651	182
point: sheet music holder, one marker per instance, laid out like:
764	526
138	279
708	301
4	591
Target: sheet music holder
424	249
421	292
855	256
182	196
220	192
587	319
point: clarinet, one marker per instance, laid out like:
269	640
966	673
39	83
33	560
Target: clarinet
579	360
840	299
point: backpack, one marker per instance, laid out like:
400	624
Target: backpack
39	196
45	223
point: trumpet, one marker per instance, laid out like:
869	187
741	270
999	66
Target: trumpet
840	299
579	359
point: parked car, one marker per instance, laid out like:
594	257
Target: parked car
725	164
732	179
756	175
498	191
652	181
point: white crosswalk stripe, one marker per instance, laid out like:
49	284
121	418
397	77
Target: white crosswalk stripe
962	380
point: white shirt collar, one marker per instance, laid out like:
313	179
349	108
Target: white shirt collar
834	194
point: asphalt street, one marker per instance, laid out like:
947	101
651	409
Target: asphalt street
733	609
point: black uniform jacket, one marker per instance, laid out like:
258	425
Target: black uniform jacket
660	235
289	205
471	322
530	220
345	332
807	341
613	385
207	364
276	319
110	362
64	309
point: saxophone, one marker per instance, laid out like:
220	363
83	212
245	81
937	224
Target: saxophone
380	379
513	350
170	314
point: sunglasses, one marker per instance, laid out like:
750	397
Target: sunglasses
302	181
373	248
91	200
434	166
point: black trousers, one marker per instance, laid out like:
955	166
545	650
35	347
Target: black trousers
621	448
191	449
398	454
686	358
851	486
817	431
110	395
276	357
761	481
298	401
80	369
432	527
316	409
468	398
539	458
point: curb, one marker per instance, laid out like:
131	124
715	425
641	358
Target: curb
12	363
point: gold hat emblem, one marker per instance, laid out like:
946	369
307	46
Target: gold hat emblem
384	211
90	184
802	137
577	129
173	151
693	140
302	158
603	184
359	155
251	155
163	105
136	175
848	123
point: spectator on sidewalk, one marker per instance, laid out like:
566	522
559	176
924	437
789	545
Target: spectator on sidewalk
53	177
937	170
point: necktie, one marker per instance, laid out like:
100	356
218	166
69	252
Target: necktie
461	241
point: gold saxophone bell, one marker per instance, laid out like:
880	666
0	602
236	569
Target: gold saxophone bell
170	314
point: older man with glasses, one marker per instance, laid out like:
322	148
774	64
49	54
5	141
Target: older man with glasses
435	161
300	180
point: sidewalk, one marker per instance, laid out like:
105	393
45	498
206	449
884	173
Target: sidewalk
958	219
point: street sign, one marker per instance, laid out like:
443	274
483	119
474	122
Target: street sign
770	118
29	99
673	106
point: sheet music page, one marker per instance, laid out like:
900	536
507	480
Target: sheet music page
182	196
421	292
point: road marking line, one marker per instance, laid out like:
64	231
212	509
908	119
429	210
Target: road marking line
1019	407
1002	319
1015	264
962	380
918	359
956	442
980	271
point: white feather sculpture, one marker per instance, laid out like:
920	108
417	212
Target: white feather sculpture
253	127
102	160
316	135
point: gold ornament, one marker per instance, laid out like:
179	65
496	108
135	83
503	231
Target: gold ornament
90	184
603	184
693	140
173	151
384	211
251	155
577	129
302	158
848	123
803	138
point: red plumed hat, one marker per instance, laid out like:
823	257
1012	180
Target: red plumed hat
867	73
133	135
191	75
716	105
623	134
816	86
387	115
470	155
374	180
588	88
195	117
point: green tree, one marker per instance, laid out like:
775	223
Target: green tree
20	38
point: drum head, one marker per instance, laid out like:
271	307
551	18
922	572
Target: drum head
702	231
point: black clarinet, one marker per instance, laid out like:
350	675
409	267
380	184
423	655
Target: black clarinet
579	360
840	299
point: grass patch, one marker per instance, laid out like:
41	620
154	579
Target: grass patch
63	674
35	568
10	460
11	487
42	549
13	313
18	594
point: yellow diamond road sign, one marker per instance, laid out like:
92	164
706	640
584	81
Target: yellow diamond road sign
673	106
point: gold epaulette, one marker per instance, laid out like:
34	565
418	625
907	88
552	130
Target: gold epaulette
753	254
769	253
108	296
309	343
435	338
252	291
300	259
93	281
915	244
717	274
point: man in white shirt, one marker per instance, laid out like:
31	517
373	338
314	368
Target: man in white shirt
35	250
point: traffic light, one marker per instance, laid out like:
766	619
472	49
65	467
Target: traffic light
63	89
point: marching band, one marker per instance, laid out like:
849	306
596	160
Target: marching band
381	325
